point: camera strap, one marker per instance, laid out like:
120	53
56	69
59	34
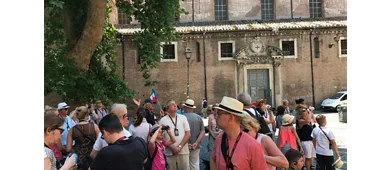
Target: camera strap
325	135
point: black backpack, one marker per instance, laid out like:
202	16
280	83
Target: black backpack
264	129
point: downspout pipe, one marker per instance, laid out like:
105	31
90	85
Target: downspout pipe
311	68
193	13
123	58
204	66
291	9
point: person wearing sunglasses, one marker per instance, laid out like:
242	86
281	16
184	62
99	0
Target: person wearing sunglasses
119	110
273	156
52	132
68	122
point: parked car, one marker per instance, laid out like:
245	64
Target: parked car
334	101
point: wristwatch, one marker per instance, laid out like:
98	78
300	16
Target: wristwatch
179	146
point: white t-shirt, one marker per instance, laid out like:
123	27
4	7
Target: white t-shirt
322	143
48	153
182	126
142	130
101	143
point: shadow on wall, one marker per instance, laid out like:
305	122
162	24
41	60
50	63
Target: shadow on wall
223	87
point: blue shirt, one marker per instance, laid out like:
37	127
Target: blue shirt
68	123
179	111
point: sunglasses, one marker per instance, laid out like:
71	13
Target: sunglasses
246	130
60	129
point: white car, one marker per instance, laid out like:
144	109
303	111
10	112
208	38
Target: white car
334	101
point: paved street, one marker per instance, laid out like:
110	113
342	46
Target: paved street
339	130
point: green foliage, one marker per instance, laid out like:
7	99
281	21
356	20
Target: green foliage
100	82
157	26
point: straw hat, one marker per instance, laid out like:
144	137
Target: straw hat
190	104
338	163
287	119
231	105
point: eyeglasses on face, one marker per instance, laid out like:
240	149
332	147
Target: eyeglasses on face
61	130
246	130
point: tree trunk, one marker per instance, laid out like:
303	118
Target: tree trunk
92	35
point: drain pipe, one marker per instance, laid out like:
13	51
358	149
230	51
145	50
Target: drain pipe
291	6
311	67
204	66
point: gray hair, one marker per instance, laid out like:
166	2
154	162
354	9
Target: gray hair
118	106
244	98
285	100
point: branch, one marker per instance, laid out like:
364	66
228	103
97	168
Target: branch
92	35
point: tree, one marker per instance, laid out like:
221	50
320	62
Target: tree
80	56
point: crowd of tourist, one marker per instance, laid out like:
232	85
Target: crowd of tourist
241	135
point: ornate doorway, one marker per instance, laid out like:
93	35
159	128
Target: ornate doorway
258	70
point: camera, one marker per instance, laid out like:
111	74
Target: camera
165	127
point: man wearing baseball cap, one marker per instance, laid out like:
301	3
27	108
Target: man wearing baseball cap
234	149
149	114
68	122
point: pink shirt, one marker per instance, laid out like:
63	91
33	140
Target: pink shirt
159	160
247	155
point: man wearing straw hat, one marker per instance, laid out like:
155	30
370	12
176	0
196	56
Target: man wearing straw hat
197	132
234	149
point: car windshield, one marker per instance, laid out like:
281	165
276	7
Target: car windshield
336	96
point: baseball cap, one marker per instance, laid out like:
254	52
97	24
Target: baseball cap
62	105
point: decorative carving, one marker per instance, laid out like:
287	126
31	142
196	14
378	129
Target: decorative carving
259	53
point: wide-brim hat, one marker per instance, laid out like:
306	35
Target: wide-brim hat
231	105
190	104
62	105
338	163
287	119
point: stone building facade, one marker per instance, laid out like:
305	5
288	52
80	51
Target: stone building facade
254	46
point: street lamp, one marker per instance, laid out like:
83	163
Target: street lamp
188	56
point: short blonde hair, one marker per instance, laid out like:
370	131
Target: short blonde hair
250	123
320	119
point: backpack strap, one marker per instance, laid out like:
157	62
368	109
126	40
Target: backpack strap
250	113
223	146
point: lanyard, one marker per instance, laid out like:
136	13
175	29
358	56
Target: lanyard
101	112
230	156
174	123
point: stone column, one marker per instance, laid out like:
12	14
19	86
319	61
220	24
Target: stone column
278	84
